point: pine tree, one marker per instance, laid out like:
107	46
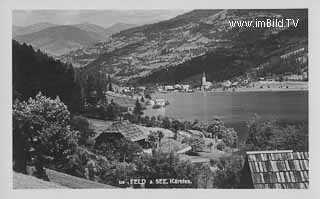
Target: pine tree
138	109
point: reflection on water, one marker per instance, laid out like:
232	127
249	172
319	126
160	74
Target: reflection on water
234	108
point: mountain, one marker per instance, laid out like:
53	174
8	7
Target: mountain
99	32
23	30
117	27
58	40
189	40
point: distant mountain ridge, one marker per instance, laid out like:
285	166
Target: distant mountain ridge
60	39
23	30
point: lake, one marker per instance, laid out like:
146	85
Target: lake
234	108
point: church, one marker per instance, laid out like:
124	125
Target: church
204	84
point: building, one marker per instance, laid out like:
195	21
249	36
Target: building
160	102
277	169
168	88
124	129
204	84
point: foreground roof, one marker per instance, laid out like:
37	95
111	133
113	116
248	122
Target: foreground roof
279	169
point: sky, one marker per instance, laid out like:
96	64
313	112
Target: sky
104	18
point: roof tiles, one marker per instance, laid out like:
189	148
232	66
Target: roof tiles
279	169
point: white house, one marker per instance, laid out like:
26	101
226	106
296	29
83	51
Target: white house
160	102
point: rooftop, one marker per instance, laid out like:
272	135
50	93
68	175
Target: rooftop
279	169
130	131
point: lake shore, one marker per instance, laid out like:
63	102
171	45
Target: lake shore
267	86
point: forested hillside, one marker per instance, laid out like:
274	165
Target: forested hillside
34	71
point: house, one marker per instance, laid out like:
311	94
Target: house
277	169
185	87
168	88
160	102
124	129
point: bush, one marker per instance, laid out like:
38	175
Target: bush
221	146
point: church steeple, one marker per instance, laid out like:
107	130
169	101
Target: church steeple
204	80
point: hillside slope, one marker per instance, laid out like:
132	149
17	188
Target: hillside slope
226	63
140	51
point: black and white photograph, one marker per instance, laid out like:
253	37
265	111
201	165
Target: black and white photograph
203	98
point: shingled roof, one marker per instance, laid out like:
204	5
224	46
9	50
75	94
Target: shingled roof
130	131
279	169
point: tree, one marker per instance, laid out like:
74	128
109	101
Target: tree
86	134
122	150
142	99
113	111
138	109
229	172
155	138
110	88
159	165
197	144
269	135
41	132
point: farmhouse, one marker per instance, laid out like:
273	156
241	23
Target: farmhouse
124	129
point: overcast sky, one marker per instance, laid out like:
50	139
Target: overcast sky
103	18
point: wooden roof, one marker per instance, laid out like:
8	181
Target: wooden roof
130	131
279	169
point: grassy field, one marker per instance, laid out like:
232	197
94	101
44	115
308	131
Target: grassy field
22	181
74	182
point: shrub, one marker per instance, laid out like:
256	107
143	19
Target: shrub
221	146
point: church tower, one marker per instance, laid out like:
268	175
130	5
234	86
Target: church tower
204	80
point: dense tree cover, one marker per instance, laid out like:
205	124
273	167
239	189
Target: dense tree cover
34	71
270	135
121	150
196	143
217	129
229	173
41	133
160	165
86	134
